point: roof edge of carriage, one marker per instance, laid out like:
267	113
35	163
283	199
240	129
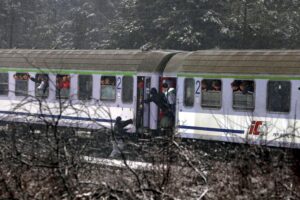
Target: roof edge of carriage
212	63
85	61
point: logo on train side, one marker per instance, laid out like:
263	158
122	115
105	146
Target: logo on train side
254	128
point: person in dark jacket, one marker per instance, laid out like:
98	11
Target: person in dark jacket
159	99
119	126
42	82
170	95
162	103
118	136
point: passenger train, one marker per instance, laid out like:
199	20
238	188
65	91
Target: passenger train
244	96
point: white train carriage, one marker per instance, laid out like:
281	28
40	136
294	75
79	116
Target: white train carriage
238	96
81	88
234	96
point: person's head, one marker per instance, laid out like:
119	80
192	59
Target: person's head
66	78
243	86
40	77
118	119
106	81
25	77
44	78
216	85
165	87
204	85
153	91
235	86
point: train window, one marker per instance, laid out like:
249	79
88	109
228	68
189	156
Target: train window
63	84
108	88
41	85
243	94
3	83
127	89
21	84
211	93
85	87
279	96
189	90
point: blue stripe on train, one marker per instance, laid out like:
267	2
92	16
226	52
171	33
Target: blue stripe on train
57	116
212	129
112	121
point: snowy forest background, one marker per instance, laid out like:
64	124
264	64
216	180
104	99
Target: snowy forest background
165	24
46	162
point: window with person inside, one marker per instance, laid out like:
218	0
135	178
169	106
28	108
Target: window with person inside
41	85
243	94
63	84
21	84
108	88
211	93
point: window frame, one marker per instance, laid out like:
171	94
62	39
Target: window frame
253	97
20	93
123	90
91	90
184	93
290	97
221	96
56	87
115	88
3	83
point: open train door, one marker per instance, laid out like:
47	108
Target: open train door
143	109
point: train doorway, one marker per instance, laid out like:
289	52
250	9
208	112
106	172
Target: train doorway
143	109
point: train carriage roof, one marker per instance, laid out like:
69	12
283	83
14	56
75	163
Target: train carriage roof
100	60
236	62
